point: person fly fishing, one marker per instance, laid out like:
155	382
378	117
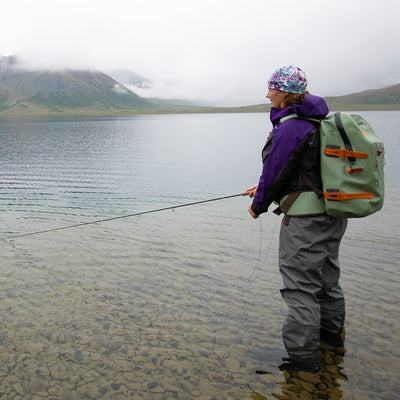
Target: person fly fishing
308	243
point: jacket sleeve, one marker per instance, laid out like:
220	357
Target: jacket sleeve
279	163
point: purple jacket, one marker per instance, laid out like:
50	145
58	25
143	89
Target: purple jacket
292	145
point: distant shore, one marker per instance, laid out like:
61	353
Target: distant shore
194	110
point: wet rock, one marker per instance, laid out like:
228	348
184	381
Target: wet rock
310	377
55	372
37	384
20	389
89	391
153	387
232	364
42	371
135	387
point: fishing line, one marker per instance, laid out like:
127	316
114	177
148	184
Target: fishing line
124	216
253	272
259	264
258	267
244	289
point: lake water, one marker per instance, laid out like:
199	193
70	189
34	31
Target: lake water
181	303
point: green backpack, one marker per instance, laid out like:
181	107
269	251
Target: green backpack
352	161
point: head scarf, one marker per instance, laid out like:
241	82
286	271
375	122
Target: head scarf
288	79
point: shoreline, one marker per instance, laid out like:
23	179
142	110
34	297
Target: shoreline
195	110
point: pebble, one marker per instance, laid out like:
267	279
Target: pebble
232	364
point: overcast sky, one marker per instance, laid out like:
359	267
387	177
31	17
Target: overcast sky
216	51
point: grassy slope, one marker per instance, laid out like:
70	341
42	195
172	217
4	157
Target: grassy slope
89	93
68	92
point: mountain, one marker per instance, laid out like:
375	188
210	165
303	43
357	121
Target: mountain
385	98
24	91
34	92
129	78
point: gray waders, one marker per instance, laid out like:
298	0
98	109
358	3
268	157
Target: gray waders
309	266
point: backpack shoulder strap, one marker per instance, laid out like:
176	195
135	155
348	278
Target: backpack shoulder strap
303	178
291	116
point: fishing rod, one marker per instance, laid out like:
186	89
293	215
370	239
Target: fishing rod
246	193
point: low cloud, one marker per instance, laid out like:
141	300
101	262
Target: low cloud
219	52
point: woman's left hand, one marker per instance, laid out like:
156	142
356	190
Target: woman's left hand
252	213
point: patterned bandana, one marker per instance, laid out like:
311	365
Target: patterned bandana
288	79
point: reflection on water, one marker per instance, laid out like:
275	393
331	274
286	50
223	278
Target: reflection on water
177	304
325	384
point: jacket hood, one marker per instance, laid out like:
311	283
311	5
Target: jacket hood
312	107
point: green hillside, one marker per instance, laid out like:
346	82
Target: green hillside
44	92
377	99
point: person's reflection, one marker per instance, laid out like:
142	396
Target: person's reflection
324	384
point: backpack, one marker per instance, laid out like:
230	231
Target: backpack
352	161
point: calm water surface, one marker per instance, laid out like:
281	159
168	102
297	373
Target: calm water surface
177	304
